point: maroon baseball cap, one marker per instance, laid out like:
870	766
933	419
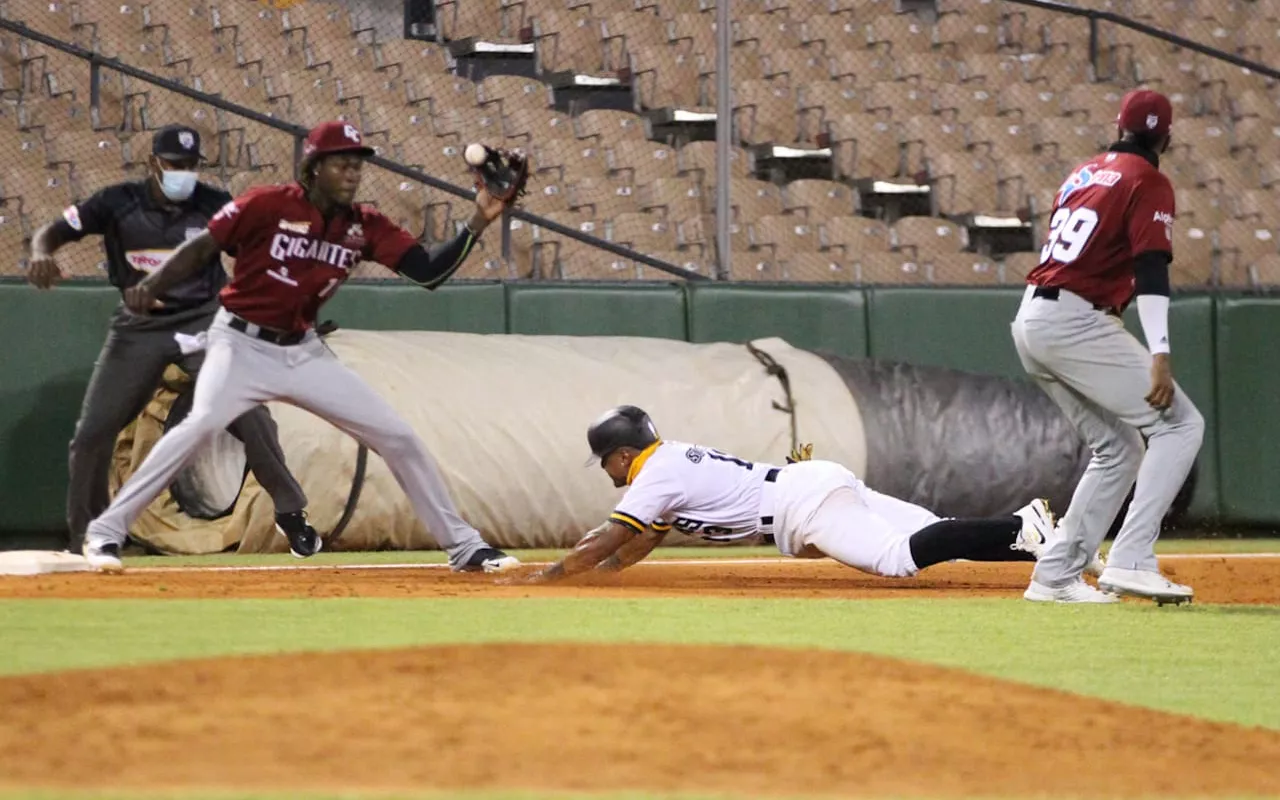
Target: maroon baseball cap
328	138
1145	111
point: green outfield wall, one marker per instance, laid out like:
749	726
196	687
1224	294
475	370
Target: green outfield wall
1226	357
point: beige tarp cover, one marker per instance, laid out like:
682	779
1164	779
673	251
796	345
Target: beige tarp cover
506	417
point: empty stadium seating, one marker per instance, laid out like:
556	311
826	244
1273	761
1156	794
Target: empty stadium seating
987	103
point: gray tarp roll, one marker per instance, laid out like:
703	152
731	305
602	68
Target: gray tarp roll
964	444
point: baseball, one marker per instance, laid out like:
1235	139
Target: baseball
475	154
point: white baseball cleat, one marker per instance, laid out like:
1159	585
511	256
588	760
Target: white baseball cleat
1037	528
1144	583
103	555
1075	592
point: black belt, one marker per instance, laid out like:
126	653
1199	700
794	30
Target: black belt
283	338
1053	293
769	477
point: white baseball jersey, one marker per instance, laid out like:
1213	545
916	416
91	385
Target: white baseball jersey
698	490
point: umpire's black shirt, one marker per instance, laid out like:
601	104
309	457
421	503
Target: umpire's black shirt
139	234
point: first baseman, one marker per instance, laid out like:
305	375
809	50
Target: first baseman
141	224
1111	240
808	509
295	245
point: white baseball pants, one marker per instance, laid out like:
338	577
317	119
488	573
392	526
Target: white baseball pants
240	372
822	510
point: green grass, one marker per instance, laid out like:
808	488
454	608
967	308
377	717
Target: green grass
1211	661
436	557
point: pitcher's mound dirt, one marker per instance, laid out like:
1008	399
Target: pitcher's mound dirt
731	719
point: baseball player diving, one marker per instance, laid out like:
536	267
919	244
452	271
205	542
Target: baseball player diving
141	223
1110	241
808	508
296	244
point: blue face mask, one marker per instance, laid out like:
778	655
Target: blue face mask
177	185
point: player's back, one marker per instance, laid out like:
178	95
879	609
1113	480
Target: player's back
1091	242
719	493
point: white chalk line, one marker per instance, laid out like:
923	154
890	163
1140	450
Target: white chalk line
690	562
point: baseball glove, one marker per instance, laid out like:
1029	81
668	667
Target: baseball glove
503	173
801	452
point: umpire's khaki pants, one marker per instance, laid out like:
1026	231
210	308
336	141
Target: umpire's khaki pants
1099	375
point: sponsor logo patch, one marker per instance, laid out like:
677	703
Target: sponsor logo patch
295	227
147	260
228	211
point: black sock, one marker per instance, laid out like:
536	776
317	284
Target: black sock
974	539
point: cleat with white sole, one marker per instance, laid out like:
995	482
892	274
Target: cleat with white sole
1144	583
1075	592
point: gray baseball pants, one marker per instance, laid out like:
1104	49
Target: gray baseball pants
125	377
1099	374
240	372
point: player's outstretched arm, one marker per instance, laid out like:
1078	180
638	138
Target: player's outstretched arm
595	547
431	267
634	551
185	262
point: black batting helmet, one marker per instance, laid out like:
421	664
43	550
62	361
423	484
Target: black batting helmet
624	426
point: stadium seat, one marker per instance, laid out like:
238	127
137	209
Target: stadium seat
751	199
639	162
568	157
698	161
642	232
751	266
928	135
851	236
818	200
817	268
600	198
889	269
782	235
607	127
674	198
524	127
865	147
663	77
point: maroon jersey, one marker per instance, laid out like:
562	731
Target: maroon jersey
288	261
1111	208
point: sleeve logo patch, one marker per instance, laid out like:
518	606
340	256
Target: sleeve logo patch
72	215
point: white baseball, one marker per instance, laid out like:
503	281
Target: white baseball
475	154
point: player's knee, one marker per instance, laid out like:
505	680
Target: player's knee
1122	451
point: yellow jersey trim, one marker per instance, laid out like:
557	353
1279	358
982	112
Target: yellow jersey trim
638	462
628	520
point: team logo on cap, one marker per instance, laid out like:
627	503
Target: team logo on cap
1152	121
351	133
186	139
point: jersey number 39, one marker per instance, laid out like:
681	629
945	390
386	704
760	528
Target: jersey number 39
1069	232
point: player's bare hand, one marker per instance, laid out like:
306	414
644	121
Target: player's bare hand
528	577
141	298
44	271
1161	394
488	207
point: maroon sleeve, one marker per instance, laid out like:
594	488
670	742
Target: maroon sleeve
1151	215
237	220
385	241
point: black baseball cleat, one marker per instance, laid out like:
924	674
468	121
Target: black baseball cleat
488	559
303	539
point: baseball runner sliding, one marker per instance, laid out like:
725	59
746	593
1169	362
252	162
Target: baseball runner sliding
295	245
807	508
1111	240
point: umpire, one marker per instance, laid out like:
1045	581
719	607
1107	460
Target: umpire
141	224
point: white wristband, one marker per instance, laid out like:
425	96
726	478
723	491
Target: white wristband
1153	313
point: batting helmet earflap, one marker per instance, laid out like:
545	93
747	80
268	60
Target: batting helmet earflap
624	426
